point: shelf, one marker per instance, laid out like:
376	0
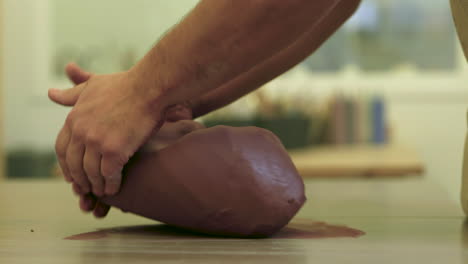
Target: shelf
357	161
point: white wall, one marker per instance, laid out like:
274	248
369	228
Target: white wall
24	71
106	29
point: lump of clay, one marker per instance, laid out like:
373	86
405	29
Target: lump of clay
220	180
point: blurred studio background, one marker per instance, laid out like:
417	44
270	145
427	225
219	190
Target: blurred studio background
386	96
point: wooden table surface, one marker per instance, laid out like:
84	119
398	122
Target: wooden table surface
405	220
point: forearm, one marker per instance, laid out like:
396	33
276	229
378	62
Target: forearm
219	40
281	62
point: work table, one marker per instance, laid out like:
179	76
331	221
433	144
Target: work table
406	220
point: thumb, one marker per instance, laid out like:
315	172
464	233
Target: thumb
67	97
70	96
76	74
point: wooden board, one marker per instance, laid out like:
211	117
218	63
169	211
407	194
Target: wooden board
357	161
406	221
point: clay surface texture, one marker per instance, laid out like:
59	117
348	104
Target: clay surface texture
221	180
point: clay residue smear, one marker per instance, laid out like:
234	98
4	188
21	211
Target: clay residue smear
298	229
307	229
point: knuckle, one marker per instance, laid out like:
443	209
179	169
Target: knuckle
93	139
116	153
79	135
110	172
79	132
110	148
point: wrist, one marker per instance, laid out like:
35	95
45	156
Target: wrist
149	89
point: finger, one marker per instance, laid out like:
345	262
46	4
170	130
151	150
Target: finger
61	144
66	97
75	153
101	210
76	74
87	203
111	170
92	167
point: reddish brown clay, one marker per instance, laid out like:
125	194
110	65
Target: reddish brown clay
220	180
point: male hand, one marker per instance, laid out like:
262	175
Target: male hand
111	118
89	202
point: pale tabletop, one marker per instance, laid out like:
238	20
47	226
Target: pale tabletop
405	220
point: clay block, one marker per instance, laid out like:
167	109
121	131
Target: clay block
220	180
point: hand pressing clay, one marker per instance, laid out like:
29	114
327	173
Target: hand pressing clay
221	180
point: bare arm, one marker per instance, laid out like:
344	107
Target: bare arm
264	72
219	40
